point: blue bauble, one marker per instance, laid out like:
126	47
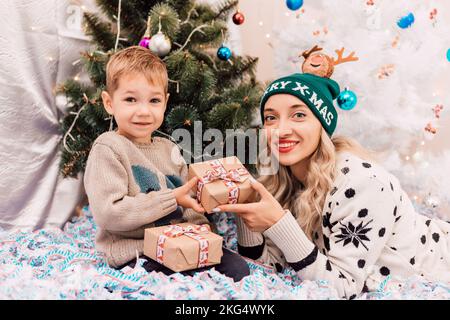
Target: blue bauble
294	4
224	53
448	55
406	21
347	100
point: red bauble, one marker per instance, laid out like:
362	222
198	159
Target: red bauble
238	18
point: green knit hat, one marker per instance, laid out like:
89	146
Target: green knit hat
316	92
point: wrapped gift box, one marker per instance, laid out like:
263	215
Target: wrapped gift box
183	246
221	181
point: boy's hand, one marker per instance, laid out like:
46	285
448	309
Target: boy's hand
183	197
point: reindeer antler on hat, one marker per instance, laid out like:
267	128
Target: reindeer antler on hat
307	53
321	64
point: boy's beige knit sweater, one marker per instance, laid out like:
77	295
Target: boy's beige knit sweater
129	188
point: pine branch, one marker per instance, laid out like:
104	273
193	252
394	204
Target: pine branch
247	95
207	85
226	116
205	57
133	18
204	13
130	15
211	35
99	31
170	22
227	6
182	7
182	116
240	68
95	65
73	90
97	106
72	164
145	6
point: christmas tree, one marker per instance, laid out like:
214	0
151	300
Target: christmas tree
207	85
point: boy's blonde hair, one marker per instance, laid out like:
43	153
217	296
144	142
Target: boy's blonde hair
135	59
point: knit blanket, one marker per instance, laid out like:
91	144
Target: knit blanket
63	264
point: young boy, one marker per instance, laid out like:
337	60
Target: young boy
133	180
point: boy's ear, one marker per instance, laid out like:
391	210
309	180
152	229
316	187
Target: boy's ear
167	97
107	102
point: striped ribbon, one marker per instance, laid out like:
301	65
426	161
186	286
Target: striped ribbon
192	231
229	178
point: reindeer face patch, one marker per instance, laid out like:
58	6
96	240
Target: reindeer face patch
322	65
318	64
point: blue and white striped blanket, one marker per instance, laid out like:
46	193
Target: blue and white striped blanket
63	264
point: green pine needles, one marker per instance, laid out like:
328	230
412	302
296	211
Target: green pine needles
221	94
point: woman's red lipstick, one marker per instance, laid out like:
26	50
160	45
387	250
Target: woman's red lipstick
285	146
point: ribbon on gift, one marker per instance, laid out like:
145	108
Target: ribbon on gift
229	178
192	231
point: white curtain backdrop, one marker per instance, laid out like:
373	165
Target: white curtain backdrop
39	42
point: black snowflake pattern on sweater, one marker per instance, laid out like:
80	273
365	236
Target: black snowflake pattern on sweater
363	213
326	222
355	235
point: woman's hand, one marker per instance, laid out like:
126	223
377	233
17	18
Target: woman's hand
258	216
183	197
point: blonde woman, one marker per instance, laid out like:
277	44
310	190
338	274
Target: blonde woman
331	212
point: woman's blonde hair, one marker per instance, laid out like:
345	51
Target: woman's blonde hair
306	201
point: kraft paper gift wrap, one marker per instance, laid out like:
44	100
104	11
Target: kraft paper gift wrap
221	181
184	246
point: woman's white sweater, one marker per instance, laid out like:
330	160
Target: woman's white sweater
369	230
